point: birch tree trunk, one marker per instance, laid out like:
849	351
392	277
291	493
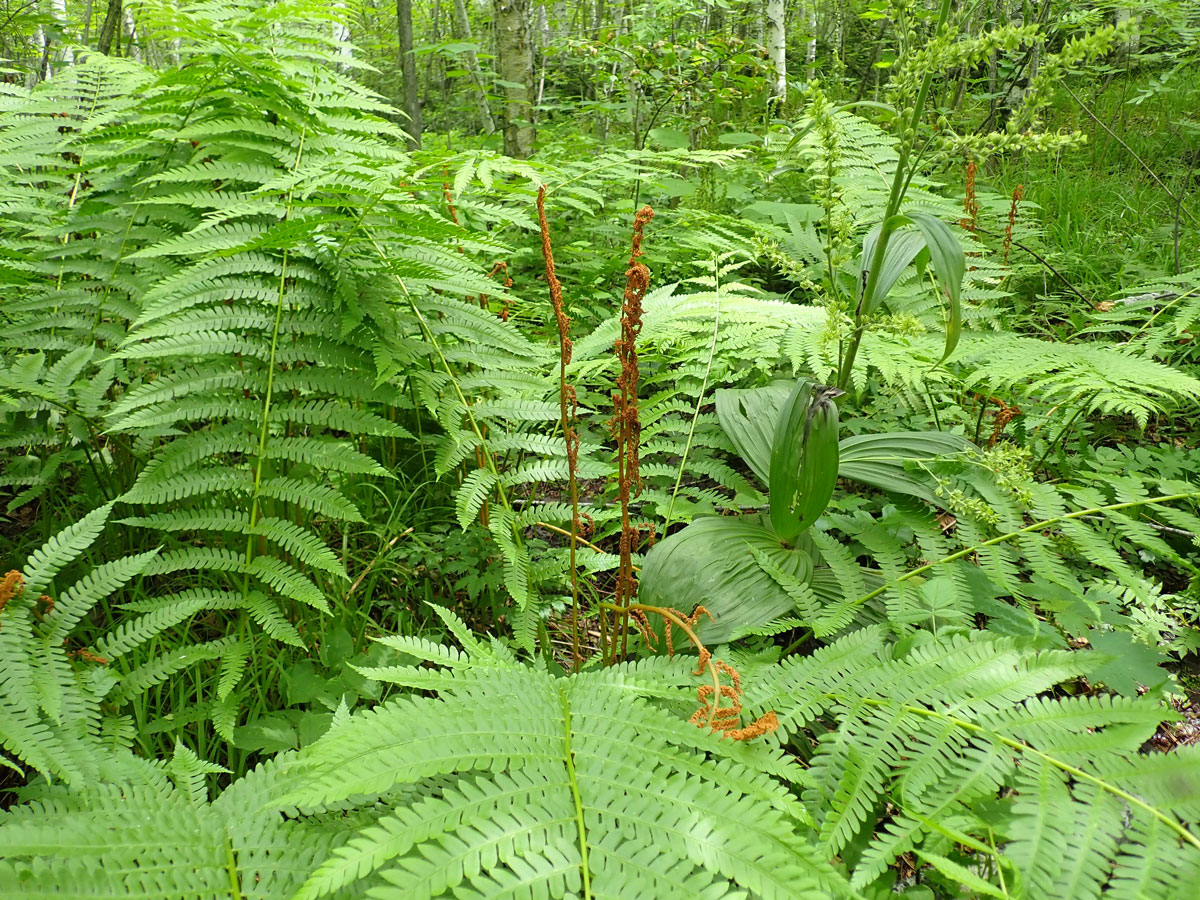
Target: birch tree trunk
515	63
408	71
810	47
777	50
133	49
341	34
462	28
58	10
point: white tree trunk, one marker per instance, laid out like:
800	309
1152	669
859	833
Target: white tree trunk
1121	15
810	50
341	34
777	48
462	28
515	65
408	72
58	10
134	50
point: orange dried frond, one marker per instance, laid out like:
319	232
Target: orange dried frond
450	203
556	297
643	625
88	656
705	656
721	707
644	215
732	673
13	584
970	200
1004	415
764	724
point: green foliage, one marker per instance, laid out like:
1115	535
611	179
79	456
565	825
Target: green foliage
945	749
280	419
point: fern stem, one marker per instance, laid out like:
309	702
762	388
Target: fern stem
712	349
583	541
1071	770
1066	428
569	756
679	622
1036	526
431	338
264	431
235	887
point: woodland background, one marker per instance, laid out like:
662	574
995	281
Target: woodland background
645	449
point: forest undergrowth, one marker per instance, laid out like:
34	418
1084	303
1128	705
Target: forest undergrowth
707	479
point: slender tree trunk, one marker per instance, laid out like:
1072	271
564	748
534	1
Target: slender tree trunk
810	48
108	31
777	50
134	50
462	27
44	43
341	34
408	71
516	69
58	11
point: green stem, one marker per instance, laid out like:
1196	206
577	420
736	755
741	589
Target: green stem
431	338
264	431
1036	526
1071	770
579	823
1062	434
712	349
235	887
895	198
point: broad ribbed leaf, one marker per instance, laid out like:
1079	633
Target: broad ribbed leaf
748	416
891	461
711	564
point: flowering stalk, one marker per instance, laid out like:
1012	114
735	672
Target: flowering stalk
900	179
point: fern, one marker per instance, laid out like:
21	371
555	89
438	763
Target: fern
50	694
933	734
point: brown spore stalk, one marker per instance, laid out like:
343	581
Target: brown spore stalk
568	406
1018	195
970	200
626	425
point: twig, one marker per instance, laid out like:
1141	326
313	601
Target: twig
1131	152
